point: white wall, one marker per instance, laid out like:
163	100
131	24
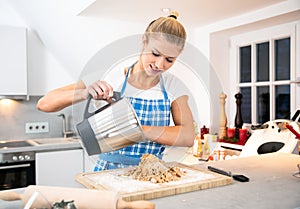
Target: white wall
40	60
214	42
60	43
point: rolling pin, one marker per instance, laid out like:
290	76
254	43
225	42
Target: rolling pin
83	198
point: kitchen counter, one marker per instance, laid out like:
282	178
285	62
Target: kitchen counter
271	185
45	144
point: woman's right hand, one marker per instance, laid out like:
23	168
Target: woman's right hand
100	90
62	97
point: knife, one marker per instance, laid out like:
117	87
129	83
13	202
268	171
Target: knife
236	177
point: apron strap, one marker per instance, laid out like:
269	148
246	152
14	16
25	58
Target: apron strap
126	79
162	83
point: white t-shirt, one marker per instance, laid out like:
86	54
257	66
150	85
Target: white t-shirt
174	87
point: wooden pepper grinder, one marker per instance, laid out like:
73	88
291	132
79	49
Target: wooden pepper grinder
223	118
238	121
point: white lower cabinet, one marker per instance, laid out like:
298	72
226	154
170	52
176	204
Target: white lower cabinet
59	168
89	162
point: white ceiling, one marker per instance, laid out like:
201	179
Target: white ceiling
191	12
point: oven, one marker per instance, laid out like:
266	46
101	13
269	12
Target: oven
17	170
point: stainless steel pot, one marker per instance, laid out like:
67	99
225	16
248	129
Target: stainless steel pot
111	127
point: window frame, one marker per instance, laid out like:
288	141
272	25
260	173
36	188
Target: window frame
266	35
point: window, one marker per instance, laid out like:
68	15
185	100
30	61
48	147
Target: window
264	62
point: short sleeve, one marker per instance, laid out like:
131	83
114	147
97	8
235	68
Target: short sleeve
174	86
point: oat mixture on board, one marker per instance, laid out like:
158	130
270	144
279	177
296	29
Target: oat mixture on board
155	170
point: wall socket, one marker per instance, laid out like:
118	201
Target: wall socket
36	127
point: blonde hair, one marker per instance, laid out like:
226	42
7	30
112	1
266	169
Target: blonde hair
170	27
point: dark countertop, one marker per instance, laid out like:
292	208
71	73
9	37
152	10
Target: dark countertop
271	185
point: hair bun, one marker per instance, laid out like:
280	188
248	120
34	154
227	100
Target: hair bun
173	14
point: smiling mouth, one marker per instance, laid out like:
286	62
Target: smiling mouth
155	71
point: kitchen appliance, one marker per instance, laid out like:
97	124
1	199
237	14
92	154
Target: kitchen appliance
17	169
272	136
111	127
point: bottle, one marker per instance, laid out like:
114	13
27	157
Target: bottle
206	146
197	148
203	131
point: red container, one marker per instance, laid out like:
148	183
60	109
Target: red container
230	132
203	131
243	136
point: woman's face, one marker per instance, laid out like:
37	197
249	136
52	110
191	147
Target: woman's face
158	55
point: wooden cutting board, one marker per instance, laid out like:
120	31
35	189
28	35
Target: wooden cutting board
131	190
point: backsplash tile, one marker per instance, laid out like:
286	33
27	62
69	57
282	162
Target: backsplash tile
14	115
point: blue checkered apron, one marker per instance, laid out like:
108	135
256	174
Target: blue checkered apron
151	112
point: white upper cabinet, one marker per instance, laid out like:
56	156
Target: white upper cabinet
13	62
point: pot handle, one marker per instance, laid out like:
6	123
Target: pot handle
87	114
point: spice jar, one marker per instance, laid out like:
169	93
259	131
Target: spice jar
203	131
197	148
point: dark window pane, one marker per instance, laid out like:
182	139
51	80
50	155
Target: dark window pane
245	64
263	104
246	104
282	102
282	59
262	62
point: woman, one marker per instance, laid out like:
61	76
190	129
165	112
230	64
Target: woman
147	87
